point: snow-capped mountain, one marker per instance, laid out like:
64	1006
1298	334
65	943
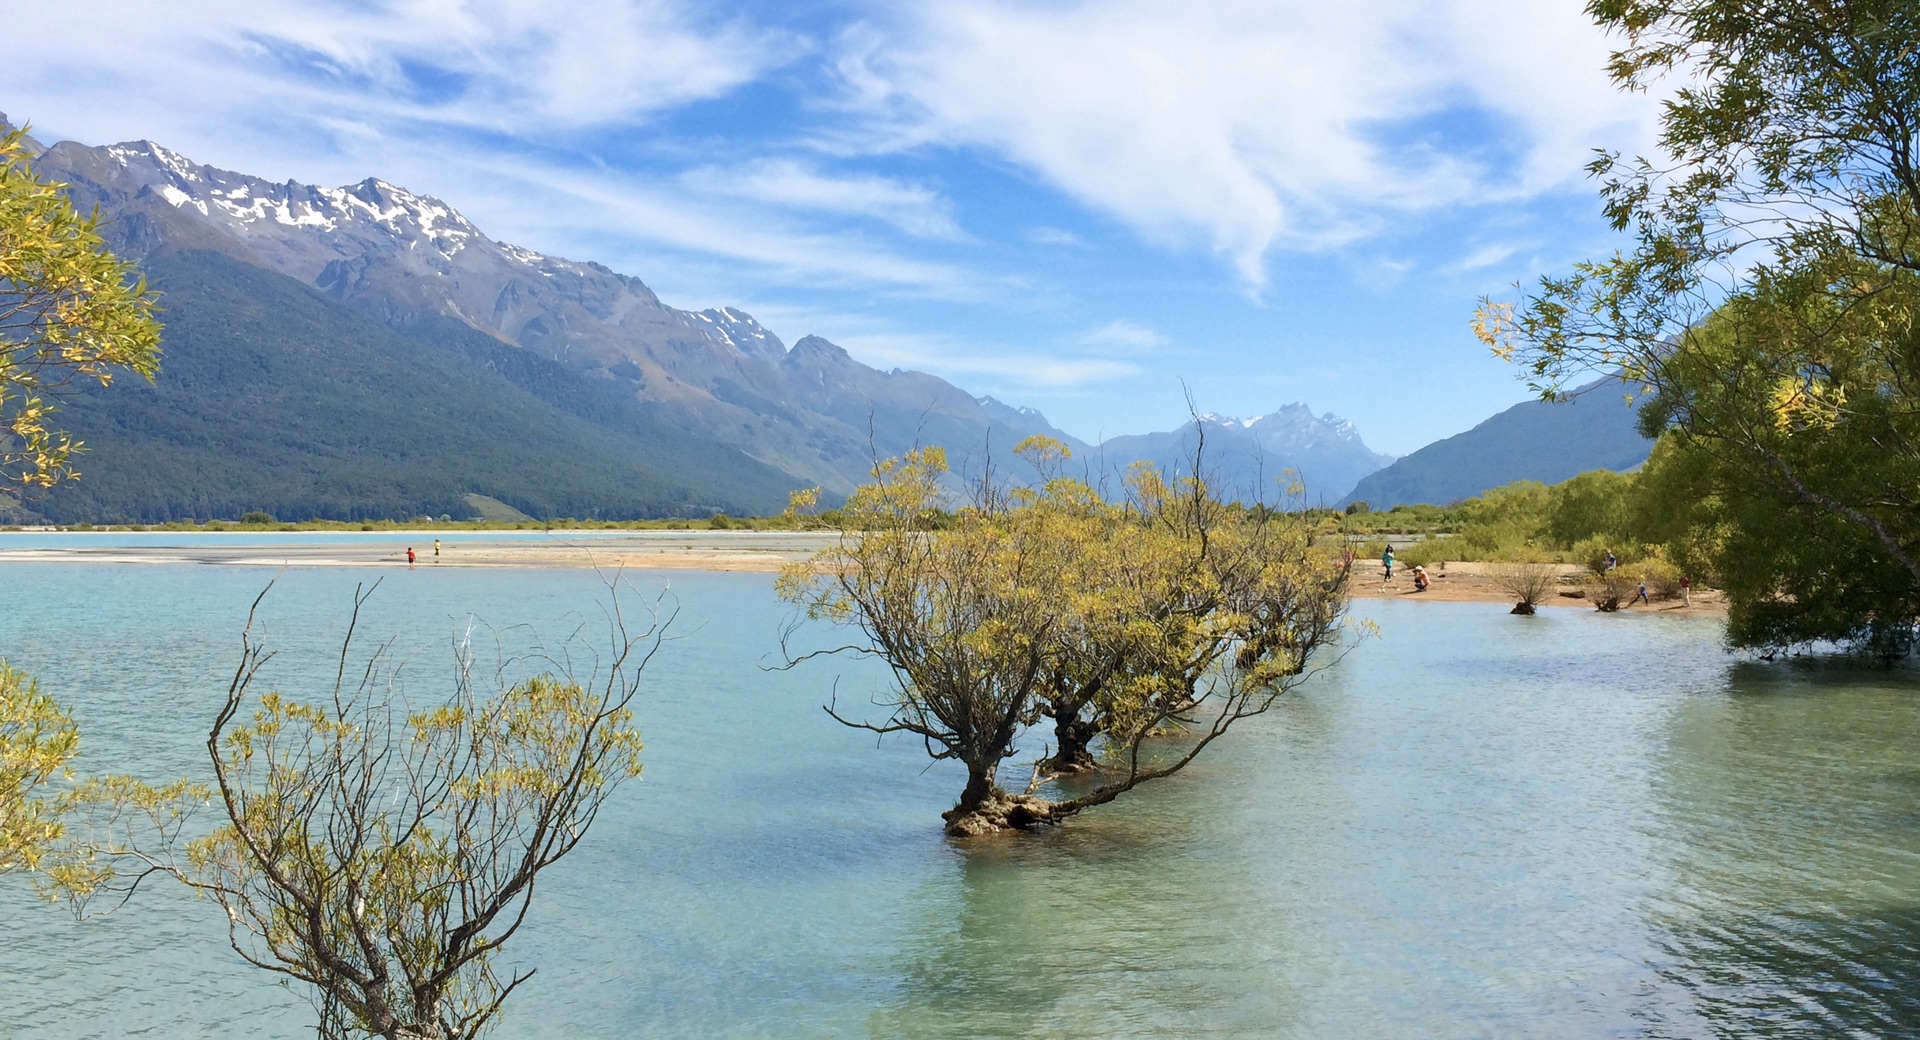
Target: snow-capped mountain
416	264
1255	457
419	268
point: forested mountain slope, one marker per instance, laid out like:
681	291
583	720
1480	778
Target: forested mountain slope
1594	428
274	397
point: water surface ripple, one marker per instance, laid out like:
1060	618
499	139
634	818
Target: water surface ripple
1475	826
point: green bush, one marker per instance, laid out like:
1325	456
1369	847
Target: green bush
1429	552
1661	575
1591	553
256	517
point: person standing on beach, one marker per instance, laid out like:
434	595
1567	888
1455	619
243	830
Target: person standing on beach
1642	595
436	550
1386	560
409	555
1686	589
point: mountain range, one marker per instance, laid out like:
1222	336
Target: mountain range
1262	458
366	351
1591	427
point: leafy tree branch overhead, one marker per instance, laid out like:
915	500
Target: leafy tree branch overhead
1768	297
69	311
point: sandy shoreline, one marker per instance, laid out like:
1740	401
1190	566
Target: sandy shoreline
675	550
725	551
1469	583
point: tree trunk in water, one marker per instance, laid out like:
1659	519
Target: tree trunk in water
985	809
980	787
1072	735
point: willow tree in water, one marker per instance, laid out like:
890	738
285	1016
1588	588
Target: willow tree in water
384	856
1168	614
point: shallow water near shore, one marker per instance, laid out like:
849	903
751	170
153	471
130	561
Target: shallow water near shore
1572	825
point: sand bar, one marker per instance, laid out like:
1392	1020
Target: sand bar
1470	583
740	551
766	551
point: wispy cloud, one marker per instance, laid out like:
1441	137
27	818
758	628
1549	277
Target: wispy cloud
1484	257
913	208
1053	236
1016	368
461	100
510	64
885	344
582	205
1245	125
1122	337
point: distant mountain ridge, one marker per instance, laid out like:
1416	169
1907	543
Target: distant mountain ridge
1257	458
715	383
1548	441
414	264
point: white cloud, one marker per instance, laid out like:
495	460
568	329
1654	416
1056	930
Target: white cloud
885	344
515	66
958	363
912	208
1244	125
1122	336
1053	236
500	63
333	93
1484	257
564	205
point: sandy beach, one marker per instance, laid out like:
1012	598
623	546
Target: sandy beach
742	551
1469	583
765	551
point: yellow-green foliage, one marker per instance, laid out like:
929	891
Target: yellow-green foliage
379	854
69	310
1661	574
37	740
468	801
1051	601
1576	521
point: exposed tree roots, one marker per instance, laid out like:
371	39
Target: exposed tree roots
999	812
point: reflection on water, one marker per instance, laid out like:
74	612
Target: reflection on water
1477	825
1796	853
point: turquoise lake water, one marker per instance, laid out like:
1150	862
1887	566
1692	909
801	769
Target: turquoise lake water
258	536
1476	825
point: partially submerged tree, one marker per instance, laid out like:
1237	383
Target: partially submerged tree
379	853
1769	299
1116	623
1528	580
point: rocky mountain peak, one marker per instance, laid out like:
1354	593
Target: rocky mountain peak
738	329
814	348
414	263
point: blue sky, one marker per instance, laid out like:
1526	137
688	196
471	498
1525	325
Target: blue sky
1070	204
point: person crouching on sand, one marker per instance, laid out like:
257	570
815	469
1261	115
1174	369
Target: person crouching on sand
1420	579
